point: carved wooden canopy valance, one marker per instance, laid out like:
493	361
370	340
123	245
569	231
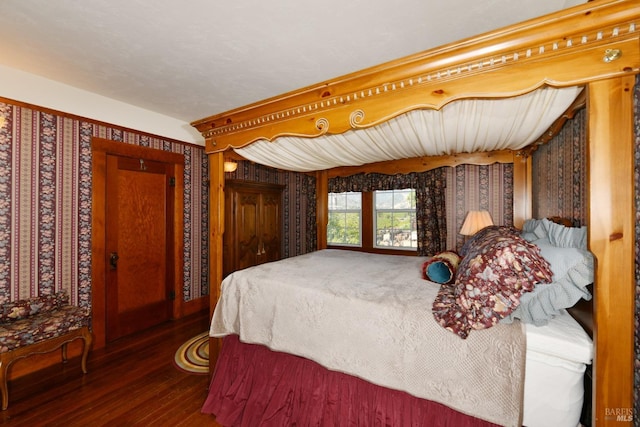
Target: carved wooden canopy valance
588	42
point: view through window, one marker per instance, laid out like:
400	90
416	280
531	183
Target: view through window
395	219
345	219
392	224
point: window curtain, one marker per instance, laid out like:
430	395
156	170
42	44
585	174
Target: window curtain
430	201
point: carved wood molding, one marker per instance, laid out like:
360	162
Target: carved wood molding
423	164
562	49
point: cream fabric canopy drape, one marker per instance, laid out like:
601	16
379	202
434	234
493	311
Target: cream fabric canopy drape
464	126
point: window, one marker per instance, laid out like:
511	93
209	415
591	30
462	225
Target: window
379	220
345	219
395	219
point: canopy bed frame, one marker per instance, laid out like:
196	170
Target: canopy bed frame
595	45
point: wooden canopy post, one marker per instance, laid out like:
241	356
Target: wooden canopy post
216	224
522	189
612	241
322	207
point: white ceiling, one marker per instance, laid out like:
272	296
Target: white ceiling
194	58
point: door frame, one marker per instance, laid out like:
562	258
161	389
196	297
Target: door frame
100	149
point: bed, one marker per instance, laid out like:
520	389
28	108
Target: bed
370	316
594	47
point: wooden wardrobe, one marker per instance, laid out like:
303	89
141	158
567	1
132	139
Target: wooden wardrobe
253	224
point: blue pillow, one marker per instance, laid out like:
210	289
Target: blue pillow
440	272
441	268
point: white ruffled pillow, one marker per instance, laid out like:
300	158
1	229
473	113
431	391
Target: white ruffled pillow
558	235
565	248
567	237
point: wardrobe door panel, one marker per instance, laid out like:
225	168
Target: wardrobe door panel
253	224
247	230
271	227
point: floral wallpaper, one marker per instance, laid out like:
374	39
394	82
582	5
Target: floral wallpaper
560	173
477	187
45	203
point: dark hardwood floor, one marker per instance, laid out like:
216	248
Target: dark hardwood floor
131	382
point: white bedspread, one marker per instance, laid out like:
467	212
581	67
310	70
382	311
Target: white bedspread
370	316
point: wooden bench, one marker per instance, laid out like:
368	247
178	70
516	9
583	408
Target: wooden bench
40	325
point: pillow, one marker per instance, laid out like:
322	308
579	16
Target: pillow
17	310
534	229
498	267
567	237
573	271
441	268
558	234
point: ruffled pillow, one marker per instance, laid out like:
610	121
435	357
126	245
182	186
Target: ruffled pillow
559	235
567	237
573	272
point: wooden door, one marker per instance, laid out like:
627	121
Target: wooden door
138	237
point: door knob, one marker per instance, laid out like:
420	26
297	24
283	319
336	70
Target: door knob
113	260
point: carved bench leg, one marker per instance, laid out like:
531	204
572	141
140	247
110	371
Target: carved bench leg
88	340
4	366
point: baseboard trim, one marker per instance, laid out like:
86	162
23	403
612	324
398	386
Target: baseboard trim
195	305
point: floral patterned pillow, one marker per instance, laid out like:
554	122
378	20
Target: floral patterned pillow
498	267
16	310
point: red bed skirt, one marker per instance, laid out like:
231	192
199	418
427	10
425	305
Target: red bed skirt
254	386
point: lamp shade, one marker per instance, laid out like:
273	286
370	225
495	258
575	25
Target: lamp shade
475	221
